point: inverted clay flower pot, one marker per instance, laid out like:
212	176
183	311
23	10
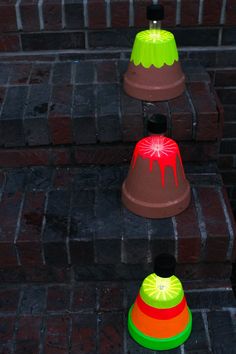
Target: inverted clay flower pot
160	318
154	72
156	186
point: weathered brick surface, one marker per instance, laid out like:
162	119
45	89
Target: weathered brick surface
7	17
207	129
97	14
119	13
74	14
212	12
76	229
189	12
59	120
52	14
29	15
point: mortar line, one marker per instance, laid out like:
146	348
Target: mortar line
40	13
223	12
178	13
43	224
108	13
174	223
200	13
131	13
194	115
18	15
63	16
201	222
68	230
205	321
85	7
18	224
220	36
229	225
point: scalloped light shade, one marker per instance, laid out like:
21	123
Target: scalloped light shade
154	72
160	318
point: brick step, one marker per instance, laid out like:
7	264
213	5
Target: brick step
74	216
72	108
91	317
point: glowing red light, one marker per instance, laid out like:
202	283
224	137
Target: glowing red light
161	149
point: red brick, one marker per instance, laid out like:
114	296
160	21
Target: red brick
24	157
140	19
106	71
19	74
7	18
52	14
207	114
27	346
216	227
189	238
32	216
8	255
111	331
189	12
225	77
60	157
181	118
120	13
62	178
29	328
56	341
7	325
40	73
170	12
9	210
9	43
111	298
212	12
204	151
2	95
9	300
83	338
97	13
230	17
38	274
58	299
225	162
61	130
60	123
103	154
30	253
84	297
29	15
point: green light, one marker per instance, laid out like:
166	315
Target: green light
154	47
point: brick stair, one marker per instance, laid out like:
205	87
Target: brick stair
73	112
60	217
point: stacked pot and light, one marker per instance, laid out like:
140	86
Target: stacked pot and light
156	185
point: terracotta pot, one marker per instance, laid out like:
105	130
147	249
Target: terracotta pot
156	186
153	84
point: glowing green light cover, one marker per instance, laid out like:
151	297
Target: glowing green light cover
154	47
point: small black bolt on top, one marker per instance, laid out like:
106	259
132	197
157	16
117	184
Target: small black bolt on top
155	12
157	124
164	265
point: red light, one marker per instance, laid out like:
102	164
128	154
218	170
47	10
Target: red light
160	149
